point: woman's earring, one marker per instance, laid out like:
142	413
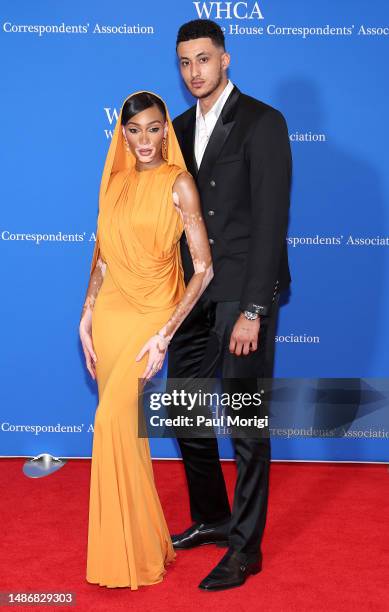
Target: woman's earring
164	148
126	144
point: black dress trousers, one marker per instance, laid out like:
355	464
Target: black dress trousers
199	349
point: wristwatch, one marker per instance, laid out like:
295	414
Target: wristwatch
250	316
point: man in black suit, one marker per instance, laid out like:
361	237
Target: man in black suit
237	149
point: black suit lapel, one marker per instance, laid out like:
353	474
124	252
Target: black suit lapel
219	135
188	137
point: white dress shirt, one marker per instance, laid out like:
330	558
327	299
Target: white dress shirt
206	123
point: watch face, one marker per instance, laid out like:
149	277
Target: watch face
250	315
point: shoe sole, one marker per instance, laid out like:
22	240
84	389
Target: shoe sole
233	586
221	544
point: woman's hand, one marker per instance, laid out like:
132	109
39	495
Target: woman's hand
156	347
87	344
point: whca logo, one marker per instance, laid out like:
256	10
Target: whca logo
228	10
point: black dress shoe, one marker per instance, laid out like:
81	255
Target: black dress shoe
232	571
202	533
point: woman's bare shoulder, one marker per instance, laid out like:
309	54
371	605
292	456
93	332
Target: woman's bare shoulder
184	180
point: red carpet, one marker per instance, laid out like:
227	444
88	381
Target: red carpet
326	545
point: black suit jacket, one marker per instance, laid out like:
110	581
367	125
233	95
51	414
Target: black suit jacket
244	184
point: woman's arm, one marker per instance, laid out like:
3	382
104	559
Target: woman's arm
85	327
95	281
187	201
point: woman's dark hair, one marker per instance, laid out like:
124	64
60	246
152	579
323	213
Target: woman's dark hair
138	103
201	28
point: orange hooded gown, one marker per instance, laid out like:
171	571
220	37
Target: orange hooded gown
138	232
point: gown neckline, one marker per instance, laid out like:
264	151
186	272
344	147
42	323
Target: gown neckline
153	169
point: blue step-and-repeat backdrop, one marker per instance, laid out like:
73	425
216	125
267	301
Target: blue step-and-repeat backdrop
67	66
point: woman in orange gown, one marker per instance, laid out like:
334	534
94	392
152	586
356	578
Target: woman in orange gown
136	299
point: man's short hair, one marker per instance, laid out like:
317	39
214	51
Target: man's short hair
201	28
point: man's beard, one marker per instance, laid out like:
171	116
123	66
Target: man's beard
211	90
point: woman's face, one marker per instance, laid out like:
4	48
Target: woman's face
144	133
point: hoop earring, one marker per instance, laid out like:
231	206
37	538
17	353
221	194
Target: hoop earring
164	148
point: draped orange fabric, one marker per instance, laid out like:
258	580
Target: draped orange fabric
137	236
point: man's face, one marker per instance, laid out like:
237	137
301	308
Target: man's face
202	65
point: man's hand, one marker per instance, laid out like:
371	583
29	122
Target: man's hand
244	336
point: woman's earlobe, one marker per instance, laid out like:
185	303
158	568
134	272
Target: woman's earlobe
125	140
